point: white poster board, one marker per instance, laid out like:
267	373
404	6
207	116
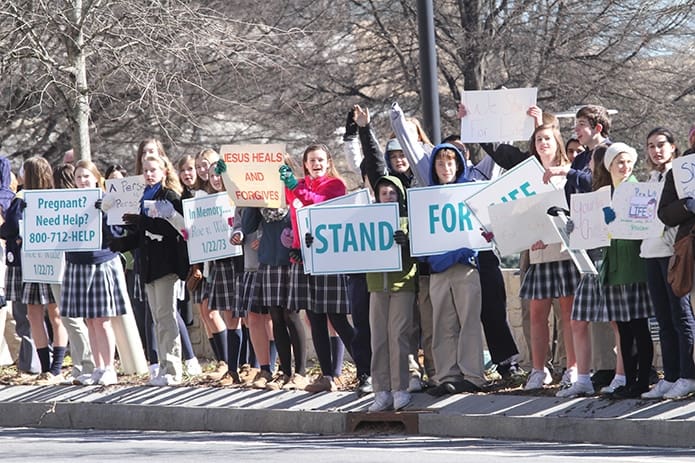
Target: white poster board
518	224
252	178
304	223
636	206
355	239
525	179
439	220
206	220
43	267
590	229
124	194
62	220
683	169
497	115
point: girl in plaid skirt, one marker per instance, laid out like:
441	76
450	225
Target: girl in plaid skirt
94	288
324	296
37	175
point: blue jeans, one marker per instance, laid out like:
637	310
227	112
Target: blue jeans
676	322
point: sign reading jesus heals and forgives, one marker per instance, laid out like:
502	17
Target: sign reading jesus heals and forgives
251	177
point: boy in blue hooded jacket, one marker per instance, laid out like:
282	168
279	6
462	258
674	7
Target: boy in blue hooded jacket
457	344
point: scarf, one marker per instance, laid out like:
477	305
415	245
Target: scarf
274	214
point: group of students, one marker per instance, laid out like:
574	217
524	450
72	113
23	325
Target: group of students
438	304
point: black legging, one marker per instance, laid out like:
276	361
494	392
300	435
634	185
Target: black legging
636	332
322	343
289	334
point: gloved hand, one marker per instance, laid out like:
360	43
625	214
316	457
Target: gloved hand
295	256
288	177
132	219
488	235
286	237
690	204
555	211
308	240
569	226
164	209
22	204
98	203
400	237
220	167
350	126
608	214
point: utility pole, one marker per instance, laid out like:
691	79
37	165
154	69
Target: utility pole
429	90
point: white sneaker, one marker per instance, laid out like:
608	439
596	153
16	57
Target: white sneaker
108	377
683	387
415	383
164	380
412	364
537	379
615	384
658	391
401	399
154	371
569	377
192	367
383	400
88	379
576	390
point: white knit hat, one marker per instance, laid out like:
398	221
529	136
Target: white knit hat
614	150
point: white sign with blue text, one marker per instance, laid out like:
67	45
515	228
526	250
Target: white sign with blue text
355	239
439	220
356	197
43	267
636	206
207	222
124	195
524	180
62	220
497	115
683	169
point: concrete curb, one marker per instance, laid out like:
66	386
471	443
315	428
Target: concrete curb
515	417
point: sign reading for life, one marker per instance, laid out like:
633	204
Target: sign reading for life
43	267
524	180
636	205
124	195
439	220
355	239
497	115
206	219
62	220
252	178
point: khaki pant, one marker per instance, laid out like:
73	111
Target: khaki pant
457	341
424	308
162	300
80	350
390	320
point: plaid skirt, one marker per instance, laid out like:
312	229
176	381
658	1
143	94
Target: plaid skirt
549	280
299	291
94	290
222	288
589	303
274	283
37	294
250	299
628	302
13	283
329	294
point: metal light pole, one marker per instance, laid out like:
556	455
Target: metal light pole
428	67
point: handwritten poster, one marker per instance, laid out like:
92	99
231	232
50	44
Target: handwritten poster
636	205
683	169
252	178
497	115
590	229
123	196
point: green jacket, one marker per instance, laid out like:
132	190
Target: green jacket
405	279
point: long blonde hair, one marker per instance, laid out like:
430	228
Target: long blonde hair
171	177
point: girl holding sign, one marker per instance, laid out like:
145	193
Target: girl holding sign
323	296
37	176
94	288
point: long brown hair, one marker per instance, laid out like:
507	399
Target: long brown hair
600	176
90	166
561	157
38	174
331	171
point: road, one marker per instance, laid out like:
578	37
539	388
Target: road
32	445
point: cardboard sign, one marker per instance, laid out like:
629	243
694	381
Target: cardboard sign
497	115
124	194
252	178
590	229
304	222
62	220
518	224
207	221
43	267
683	169
524	180
355	239
439	220
636	206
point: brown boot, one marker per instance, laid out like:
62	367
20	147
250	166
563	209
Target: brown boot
218	373
278	382
262	379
